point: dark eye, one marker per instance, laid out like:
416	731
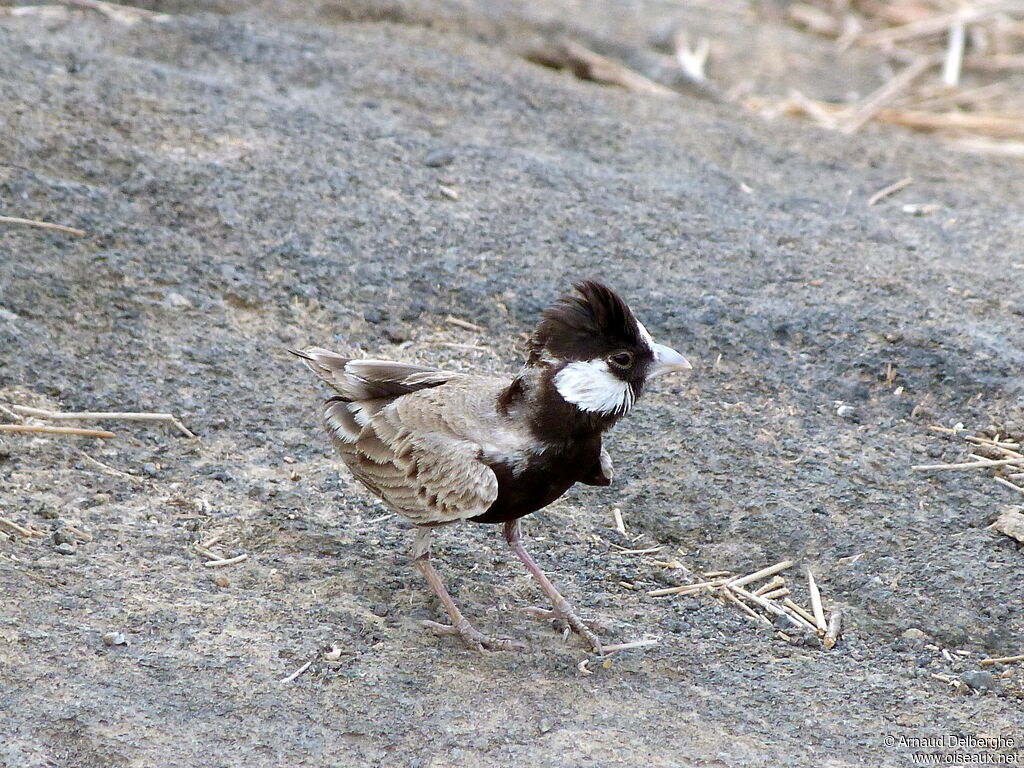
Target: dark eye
621	359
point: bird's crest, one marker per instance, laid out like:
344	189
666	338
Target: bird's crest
578	325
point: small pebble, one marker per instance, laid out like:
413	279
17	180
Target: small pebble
333	653
176	300
221	580
149	469
61	536
438	158
64	549
115	638
913	633
979	680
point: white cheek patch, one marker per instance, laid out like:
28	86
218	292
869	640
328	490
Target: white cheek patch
590	386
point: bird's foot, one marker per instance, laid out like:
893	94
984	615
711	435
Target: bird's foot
566	619
472	639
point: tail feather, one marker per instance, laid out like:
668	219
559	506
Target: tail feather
358	380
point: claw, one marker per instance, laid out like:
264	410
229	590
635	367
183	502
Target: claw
472	639
565	617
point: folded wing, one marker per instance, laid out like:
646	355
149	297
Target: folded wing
388	423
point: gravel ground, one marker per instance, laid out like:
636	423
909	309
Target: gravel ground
253	178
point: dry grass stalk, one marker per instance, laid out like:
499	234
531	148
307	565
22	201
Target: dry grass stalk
1008	484
972	44
227	561
123	14
1012	447
980	145
764	573
620	526
966	465
730	597
771	586
464	324
954	61
766	597
20	530
892	189
80	535
1004	62
57	430
687	589
991	125
588	65
606	649
874	103
935	25
108	470
296	673
42	225
1001	660
40	413
799	609
769	606
832	630
816	608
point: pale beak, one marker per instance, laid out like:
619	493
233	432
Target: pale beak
667	360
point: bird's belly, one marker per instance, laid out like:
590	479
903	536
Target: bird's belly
536	487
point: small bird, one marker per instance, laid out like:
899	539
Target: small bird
440	447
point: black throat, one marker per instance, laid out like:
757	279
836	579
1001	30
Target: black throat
568	446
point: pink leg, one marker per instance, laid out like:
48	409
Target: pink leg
561	608
460	626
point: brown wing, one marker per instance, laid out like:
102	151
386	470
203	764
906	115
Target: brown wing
409	456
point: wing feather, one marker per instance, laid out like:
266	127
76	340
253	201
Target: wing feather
401	430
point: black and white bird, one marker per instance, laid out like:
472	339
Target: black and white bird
440	447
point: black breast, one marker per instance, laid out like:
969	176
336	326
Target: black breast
546	477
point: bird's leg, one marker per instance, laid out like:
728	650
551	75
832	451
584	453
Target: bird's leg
460	626
561	608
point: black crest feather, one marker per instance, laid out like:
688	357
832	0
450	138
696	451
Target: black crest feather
581	326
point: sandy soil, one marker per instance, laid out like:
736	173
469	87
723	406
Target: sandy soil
252	178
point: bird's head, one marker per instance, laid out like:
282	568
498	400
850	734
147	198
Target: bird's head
600	356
